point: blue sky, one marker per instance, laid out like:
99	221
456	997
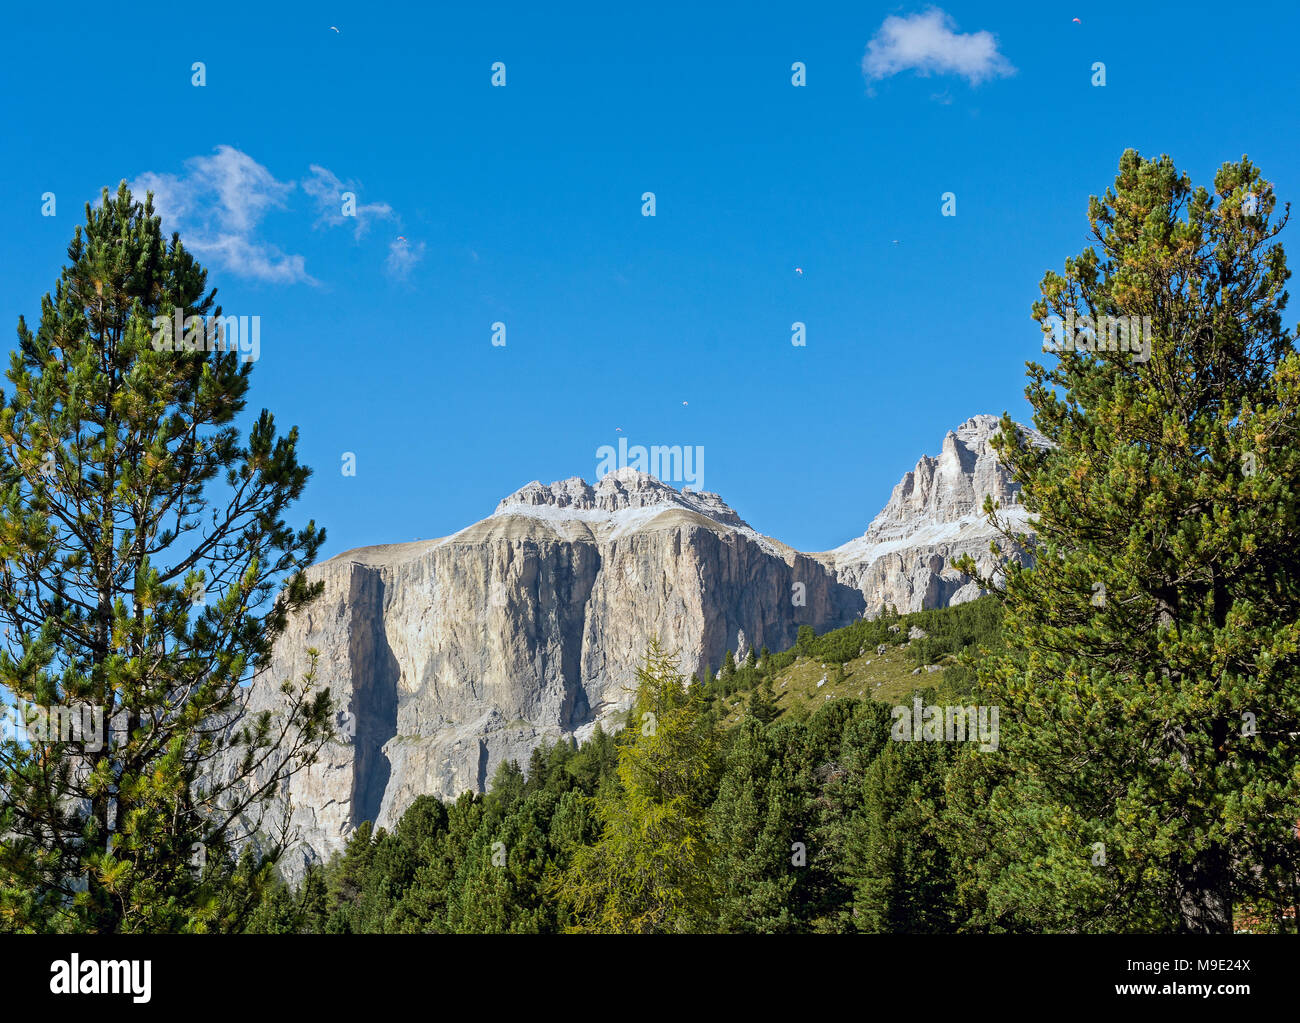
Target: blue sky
523	205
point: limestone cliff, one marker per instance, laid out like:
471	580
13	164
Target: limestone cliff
453	655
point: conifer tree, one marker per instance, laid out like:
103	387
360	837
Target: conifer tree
145	569
1152	692
758	829
762	702
648	872
896	859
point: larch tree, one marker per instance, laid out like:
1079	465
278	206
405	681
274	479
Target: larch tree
649	870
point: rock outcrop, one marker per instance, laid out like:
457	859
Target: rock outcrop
935	514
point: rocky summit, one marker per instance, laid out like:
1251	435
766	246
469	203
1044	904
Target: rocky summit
934	515
454	655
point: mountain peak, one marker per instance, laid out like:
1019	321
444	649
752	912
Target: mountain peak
980	425
619	490
947	489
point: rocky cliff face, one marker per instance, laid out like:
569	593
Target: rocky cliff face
934	515
454	655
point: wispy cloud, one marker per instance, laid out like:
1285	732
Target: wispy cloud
402	257
327	189
218	204
928	43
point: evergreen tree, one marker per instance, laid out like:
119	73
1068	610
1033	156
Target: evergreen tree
507	785
1154	679
277	913
499	889
762	702
898	863
144	552
538	768
839	746
758	829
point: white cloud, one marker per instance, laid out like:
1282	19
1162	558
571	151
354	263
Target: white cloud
402	257
217	204
327	189
219	201
928	44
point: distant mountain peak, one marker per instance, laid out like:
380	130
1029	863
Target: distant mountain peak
620	490
945	493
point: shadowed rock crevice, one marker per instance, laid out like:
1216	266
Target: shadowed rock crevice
375	672
483	761
577	583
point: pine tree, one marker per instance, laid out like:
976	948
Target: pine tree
762	702
897	861
1153	687
759	829
144	552
507	786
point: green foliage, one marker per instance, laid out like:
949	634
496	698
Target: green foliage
955	630
898	862
1153	682
648	871
762	703
759	829
127	491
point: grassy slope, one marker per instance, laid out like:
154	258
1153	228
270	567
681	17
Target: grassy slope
887	677
890	677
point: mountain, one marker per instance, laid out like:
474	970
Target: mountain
933	516
454	655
